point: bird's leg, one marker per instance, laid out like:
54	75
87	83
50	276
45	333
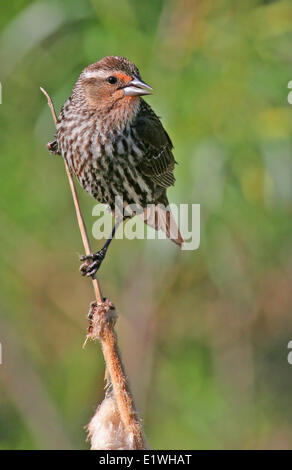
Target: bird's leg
53	147
91	263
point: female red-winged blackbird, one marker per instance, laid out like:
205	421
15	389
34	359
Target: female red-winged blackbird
116	146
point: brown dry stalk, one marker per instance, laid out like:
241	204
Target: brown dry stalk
102	321
83	231
121	390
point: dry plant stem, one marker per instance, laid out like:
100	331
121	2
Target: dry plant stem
121	390
83	231
95	283
102	327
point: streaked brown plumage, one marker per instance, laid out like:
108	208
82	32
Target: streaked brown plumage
115	144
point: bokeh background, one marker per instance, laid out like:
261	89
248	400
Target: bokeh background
203	334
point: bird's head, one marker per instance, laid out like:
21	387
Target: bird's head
112	84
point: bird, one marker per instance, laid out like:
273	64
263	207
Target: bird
116	146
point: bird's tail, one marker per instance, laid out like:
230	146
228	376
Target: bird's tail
159	216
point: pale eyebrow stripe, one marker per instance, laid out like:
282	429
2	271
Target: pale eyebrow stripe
96	74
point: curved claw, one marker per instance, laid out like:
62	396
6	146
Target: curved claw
92	262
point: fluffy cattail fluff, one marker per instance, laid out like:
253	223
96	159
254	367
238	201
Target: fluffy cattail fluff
106	430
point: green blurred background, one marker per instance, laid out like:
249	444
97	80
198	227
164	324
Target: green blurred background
203	334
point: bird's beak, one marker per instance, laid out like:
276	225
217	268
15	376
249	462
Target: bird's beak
137	87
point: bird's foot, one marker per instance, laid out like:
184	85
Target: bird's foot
53	147
91	263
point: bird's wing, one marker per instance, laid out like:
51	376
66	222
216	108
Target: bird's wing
158	161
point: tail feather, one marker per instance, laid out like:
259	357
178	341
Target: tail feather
160	217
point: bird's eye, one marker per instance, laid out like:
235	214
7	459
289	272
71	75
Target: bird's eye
112	80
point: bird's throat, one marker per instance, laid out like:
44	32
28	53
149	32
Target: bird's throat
121	112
